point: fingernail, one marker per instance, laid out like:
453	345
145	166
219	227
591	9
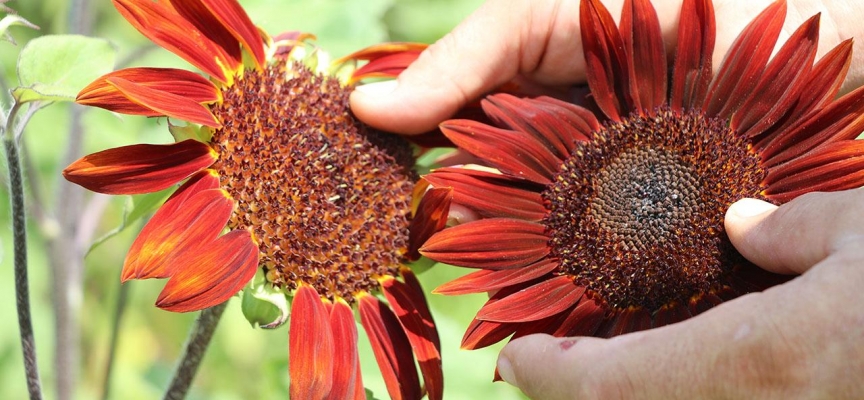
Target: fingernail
505	369
746	208
378	89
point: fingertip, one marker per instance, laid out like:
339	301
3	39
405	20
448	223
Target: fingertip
400	106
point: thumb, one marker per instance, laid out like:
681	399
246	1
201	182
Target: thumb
799	234
499	41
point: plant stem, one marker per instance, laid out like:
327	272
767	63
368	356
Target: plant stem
193	353
122	295
19	238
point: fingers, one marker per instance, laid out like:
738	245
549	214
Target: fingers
796	236
495	44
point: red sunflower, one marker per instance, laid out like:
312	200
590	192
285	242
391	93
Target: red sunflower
608	223
275	176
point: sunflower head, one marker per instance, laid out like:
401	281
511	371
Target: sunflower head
274	176
610	222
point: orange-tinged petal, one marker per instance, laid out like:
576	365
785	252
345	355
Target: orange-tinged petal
179	229
161	23
491	195
180	82
165	103
489	280
410	307
385	67
430	218
377	51
234	19
391	348
346	368
310	347
486	333
140	168
212	274
495	243
206	179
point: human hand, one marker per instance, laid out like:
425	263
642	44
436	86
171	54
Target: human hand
538	43
802	339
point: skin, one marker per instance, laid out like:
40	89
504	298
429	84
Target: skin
803	339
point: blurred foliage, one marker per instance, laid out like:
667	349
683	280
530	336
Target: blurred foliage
242	362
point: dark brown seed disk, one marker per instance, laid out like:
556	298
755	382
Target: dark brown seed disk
326	199
636	214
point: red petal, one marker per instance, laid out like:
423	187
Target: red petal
512	152
692	71
183	83
411	309
535	302
836	166
165	103
606	63
385	67
583	320
781	83
487	281
414	286
740	71
497	243
481	334
391	348
377	51
310	347
491	195
670	314
345	358
823	84
162	24
206	179
632	319
840	120
552	122
140	168
232	17
643	41
431	217
703	302
177	231
212	274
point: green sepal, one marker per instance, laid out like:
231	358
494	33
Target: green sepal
263	305
195	132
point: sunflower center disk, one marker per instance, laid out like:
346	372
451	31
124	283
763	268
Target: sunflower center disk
327	199
636	214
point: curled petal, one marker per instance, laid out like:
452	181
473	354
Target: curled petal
232	17
177	231
212	274
179	82
386	60
391	347
431	217
140	168
310	347
691	73
605	60
640	30
496	243
410	308
165	103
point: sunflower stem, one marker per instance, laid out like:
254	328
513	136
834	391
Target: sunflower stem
122	295
19	239
193	353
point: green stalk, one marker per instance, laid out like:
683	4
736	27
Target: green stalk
195	347
19	239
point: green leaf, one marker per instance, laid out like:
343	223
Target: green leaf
200	133
370	395
57	67
263	305
137	207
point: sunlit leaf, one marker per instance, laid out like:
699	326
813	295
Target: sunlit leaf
56	67
137	207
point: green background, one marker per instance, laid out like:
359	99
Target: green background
242	362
